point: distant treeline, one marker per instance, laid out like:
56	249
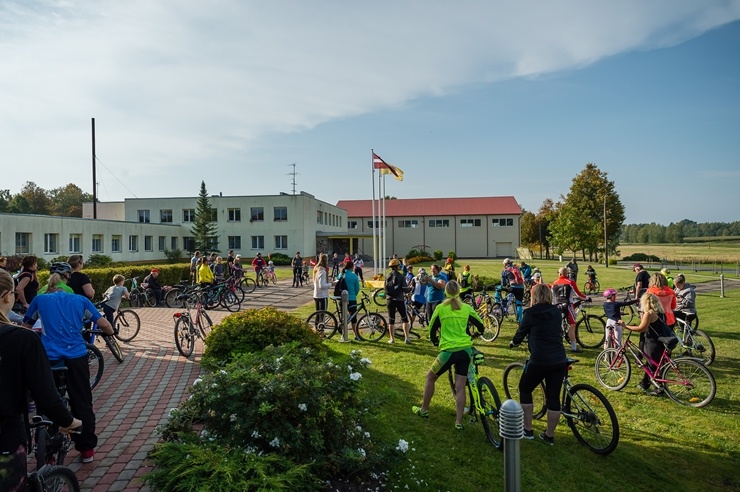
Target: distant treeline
677	232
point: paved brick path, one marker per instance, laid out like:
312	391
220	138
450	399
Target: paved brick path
133	397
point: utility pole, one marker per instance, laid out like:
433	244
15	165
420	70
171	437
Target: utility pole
606	243
95	194
294	175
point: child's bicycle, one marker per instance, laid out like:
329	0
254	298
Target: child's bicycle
592	285
483	399
92	332
189	327
589	414
684	379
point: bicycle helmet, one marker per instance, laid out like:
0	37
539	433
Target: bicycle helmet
537	276
609	292
507	262
61	267
393	263
270	263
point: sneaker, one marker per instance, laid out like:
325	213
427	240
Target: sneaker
88	456
548	440
418	411
654	392
576	350
392	341
407	342
459	427
528	434
643	387
357	339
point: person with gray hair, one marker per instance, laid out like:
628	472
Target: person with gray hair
685	299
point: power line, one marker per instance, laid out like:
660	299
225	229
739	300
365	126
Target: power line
116	177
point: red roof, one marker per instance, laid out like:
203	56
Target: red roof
414	207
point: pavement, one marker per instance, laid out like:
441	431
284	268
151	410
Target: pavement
134	397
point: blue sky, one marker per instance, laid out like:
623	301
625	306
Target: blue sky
471	99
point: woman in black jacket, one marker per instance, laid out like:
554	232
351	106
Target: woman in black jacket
542	323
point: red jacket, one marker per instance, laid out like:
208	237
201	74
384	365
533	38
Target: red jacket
668	300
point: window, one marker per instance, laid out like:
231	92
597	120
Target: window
235	242
162	243
144	216
281	242
235	215
188	243
469	222
75	243
165	215
352	224
188	215
148	240
439	223
281	214
115	244
97	243
51	243
214	215
258	214
133	243
258	242
408	223
377	224
22	243
319	217
502	222
173	242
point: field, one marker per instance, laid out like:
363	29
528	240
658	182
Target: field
706	252
663	445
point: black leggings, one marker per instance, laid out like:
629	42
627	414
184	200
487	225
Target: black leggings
534	374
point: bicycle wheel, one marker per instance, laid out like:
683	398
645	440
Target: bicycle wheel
150	298
96	364
229	300
113	346
184	336
490	403
170	298
248	285
590	331
127	324
527	298
204	324
596	286
379	297
588	287
134	300
627	314
58	479
613	369
688	382
698	344
492	328
324	323
591	418
512	375
498	311
371	327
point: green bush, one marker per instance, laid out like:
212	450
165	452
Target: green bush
98	261
173	255
419	259
280	258
453	255
290	401
251	331
413	254
438	254
641	257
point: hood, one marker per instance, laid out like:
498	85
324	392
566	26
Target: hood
544	311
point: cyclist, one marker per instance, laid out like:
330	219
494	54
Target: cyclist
419	298
395	288
526	272
59	273
112	297
63	315
24	367
591	274
79	281
642	279
352	282
334	265
28	284
467	282
667	274
650	328
258	263
435	288
449	268
612	309
512	278
297	264
321	283
685	299
204	273
152	283
658	286
548	361
562	291
448	331
359	264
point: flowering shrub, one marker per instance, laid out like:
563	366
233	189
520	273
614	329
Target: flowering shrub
290	401
251	331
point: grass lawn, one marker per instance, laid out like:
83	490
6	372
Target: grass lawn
662	446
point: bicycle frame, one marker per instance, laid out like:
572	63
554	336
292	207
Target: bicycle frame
637	353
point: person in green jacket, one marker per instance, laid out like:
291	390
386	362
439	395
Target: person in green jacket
467	282
448	330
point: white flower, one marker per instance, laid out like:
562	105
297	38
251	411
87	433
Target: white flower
256	434
362	452
232	417
275	442
355	376
367	435
204	433
251	450
223	372
172	411
365	361
302	406
403	446
358	428
350	368
330	364
197	381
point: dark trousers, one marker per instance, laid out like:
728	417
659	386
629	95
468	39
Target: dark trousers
297	276
80	399
109	312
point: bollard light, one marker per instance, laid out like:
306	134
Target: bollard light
511	428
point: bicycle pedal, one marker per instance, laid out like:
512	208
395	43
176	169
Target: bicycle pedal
473	420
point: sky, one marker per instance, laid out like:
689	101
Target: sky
474	98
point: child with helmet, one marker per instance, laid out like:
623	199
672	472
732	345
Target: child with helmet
613	308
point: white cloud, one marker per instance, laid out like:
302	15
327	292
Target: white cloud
187	82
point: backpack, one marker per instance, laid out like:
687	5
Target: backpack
464	280
341	285
392	287
515	276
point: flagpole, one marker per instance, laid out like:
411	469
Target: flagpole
372	205
384	262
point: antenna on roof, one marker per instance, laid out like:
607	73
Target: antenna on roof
294	175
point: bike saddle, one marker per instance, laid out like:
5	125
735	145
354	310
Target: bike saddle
570	361
669	342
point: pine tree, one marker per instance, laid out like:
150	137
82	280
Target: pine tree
204	229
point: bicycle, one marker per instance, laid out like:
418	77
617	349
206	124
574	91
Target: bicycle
694	342
413	314
188	328
89	334
592	285
370	326
589	327
587	411
139	295
96	364
269	276
483	305
52	479
628	313
685	380
483	397
504	306
216	295
171	295
48	445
